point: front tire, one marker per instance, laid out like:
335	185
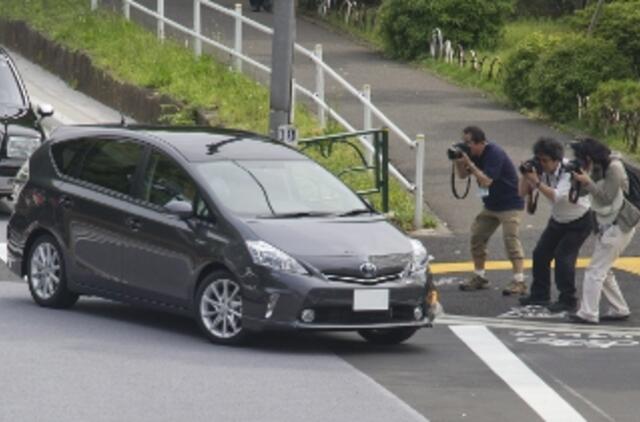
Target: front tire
388	336
47	276
219	309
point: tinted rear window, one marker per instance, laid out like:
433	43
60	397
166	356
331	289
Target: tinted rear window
111	164
67	154
9	89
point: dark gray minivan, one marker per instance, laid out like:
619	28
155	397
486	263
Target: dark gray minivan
241	232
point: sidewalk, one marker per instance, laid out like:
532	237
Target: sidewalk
416	101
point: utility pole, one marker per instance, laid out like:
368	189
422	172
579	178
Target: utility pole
284	35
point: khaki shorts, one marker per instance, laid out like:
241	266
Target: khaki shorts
486	224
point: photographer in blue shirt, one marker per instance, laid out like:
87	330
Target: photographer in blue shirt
498	183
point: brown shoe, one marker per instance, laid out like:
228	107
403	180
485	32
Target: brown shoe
515	288
475	283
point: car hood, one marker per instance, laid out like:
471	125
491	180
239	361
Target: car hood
338	245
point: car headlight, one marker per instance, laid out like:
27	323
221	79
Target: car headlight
22	146
267	255
420	258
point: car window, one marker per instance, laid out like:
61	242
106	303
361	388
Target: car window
165	181
9	89
111	164
67	155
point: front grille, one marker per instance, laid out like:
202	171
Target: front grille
344	315
358	280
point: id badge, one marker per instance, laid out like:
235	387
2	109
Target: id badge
482	192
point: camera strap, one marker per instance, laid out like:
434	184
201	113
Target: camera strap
453	184
532	203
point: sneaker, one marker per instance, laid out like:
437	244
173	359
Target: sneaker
577	319
476	283
557	307
532	301
515	288
612	316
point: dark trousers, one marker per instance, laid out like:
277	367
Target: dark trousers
562	242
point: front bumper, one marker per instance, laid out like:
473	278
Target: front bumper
333	304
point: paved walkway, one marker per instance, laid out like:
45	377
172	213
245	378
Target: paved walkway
414	99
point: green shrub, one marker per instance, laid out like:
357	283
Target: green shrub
618	23
574	66
519	65
406	25
616	105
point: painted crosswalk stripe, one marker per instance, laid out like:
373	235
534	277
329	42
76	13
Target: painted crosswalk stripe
523	381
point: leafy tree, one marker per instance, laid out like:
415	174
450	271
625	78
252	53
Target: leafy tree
574	66
616	105
406	25
619	23
519	65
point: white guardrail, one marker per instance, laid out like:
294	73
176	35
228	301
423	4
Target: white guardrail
317	95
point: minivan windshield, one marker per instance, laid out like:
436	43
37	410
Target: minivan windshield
279	188
9	89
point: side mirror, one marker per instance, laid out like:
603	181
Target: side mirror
181	209
45	110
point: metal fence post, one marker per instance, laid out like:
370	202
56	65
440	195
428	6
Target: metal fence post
292	115
126	9
385	170
322	117
366	93
197	28
417	216
160	21
238	38
94	4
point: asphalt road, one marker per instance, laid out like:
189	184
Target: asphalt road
107	361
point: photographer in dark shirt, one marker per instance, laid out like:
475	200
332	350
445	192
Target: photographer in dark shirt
498	185
569	226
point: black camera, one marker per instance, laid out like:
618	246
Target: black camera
530	166
455	151
575	166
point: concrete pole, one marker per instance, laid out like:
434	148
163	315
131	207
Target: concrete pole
284	24
126	9
94	4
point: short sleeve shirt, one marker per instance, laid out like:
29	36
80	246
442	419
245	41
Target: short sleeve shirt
503	192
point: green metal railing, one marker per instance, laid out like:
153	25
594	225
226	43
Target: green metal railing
379	162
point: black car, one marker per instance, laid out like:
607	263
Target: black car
21	131
239	231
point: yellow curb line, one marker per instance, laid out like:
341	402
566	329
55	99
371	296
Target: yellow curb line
629	264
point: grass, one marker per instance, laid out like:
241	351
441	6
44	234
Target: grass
131	54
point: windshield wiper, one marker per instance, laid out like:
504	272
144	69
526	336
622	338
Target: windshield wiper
355	212
298	214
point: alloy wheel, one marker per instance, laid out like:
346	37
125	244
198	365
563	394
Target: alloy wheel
45	270
221	308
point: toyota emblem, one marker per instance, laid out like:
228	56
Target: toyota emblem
368	269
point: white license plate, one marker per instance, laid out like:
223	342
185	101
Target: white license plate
371	300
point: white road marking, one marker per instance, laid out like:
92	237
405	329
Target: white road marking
548	404
3	252
535	325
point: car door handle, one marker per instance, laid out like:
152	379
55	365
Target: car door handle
133	223
66	201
